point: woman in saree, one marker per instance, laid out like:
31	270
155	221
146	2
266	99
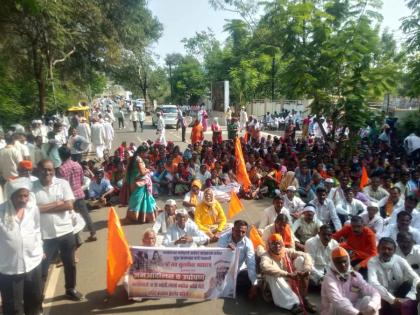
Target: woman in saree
197	132
141	204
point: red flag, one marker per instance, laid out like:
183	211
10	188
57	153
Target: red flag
364	179
119	256
241	172
235	205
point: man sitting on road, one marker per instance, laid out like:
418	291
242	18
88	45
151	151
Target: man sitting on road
403	225
280	226
325	209
359	241
344	291
306	226
270	214
293	203
319	248
394	279
408	250
164	220
246	281
100	190
184	232
286	272
193	197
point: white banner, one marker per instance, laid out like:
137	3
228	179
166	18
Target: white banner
182	273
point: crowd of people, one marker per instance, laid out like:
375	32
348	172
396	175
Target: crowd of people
348	227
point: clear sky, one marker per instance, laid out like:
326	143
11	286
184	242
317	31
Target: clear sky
182	18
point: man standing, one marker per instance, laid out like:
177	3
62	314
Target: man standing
243	118
21	251
10	157
120	117
394	279
73	173
98	138
135	117
142	118
109	134
55	199
246	282
161	129
232	128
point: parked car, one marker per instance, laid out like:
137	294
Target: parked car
169	115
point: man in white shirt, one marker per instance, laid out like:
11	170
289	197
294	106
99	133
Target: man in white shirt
21	251
109	134
394	279
164	220
372	219
203	175
374	191
10	157
325	210
408	250
337	195
319	248
270	214
412	145
350	206
160	131
184	232
403	225
410	204
135	117
54	199
98	138
293	203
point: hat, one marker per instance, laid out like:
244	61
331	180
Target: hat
26	165
373	205
309	208
275	237
19	183
291	188
196	182
181	211
170	202
329	180
339	252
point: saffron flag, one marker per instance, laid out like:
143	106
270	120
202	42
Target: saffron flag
235	205
241	172
119	256
255	237
364	179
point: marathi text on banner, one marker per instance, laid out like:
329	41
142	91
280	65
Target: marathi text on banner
186	273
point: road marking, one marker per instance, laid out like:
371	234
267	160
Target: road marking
51	287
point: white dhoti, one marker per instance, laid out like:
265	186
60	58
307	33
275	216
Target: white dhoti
162	137
281	291
99	150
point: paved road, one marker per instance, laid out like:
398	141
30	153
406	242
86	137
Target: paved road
91	268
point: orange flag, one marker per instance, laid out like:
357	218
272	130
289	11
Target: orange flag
364	179
119	256
241	172
255	237
235	205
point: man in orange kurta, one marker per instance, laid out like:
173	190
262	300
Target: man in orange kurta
197	133
359	241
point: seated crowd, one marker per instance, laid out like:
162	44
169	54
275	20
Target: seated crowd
357	244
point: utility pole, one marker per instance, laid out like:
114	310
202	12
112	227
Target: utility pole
170	82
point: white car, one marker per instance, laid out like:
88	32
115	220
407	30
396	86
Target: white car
169	113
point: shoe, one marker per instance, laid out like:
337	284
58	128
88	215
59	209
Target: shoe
310	307
92	238
297	310
74	295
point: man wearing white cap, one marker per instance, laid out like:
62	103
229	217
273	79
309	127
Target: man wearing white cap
372	219
184	232
21	251
306	226
164	220
293	203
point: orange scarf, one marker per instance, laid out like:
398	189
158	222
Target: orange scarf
287	236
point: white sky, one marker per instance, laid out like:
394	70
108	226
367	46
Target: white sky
182	18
